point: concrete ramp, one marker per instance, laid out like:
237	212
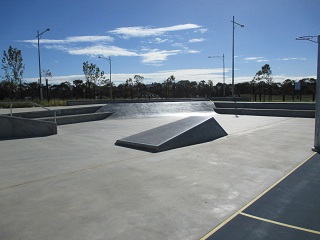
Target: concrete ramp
156	109
185	132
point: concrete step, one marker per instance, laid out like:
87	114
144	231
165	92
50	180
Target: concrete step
78	118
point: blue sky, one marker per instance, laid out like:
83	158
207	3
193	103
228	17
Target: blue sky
157	39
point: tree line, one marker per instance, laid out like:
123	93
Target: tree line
97	86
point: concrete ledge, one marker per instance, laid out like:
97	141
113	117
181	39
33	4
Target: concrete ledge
275	109
63	120
267	112
267	105
15	127
59	112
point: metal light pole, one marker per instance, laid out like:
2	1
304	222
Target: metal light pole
316	147
223	86
233	27
109	60
40	84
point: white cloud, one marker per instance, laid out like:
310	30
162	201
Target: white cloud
156	56
102	50
201	30
160	40
96	45
194	40
252	58
261	59
289	59
193	51
178	45
256	59
73	39
140	31
90	39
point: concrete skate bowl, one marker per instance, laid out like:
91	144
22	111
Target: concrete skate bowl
158	109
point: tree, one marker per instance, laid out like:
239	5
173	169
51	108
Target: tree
267	75
138	83
13	68
210	88
79	88
129	87
264	77
5	90
183	89
202	88
46	73
169	86
31	89
93	75
62	91
156	89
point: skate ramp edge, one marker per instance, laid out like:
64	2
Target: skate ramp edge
185	132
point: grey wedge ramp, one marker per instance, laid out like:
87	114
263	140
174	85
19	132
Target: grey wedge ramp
185	132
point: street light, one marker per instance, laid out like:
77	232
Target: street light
233	27
316	147
109	60
223	86
38	36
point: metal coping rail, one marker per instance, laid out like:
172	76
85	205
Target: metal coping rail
34	104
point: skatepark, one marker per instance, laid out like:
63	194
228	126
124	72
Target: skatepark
78	183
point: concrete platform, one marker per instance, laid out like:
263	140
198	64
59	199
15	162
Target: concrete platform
79	185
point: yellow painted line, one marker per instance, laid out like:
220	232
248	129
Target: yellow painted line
281	224
253	200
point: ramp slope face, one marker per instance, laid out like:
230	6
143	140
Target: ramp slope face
152	109
185	132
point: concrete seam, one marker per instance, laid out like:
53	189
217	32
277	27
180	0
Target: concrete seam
64	174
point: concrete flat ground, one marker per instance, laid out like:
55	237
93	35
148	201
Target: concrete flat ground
79	185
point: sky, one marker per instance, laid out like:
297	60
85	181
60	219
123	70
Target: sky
156	39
